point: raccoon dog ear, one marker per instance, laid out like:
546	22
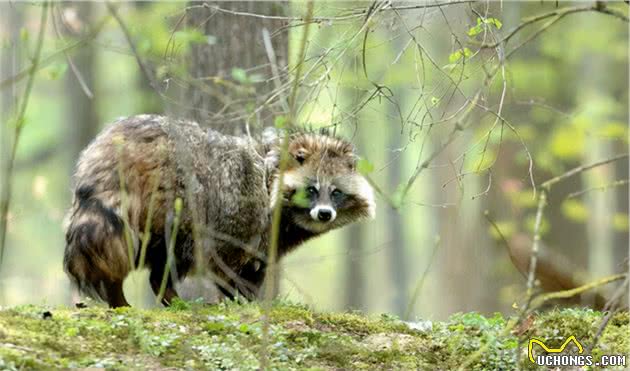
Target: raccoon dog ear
270	135
300	156
352	161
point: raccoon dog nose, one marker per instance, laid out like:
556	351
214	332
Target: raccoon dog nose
324	215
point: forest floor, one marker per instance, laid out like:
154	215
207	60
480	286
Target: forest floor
230	336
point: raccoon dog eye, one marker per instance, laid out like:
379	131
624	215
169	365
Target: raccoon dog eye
336	193
311	190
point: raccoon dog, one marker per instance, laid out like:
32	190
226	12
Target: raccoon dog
140	167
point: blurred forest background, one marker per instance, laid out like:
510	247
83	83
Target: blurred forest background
460	107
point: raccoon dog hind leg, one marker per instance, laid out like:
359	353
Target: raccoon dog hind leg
95	256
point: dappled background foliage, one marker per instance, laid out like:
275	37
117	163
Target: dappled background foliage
459	110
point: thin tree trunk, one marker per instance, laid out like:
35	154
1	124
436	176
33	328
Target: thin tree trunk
11	18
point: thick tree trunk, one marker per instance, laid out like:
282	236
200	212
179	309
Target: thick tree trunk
601	205
397	254
354	280
82	121
220	94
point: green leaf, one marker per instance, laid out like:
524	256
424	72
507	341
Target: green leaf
477	29
474	30
178	205
459	54
434	100
497	23
364	166
55	71
280	122
190	36
574	210
300	198
240	75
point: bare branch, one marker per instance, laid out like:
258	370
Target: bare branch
558	13
43	62
73	67
549	183
576	291
146	71
617	183
542	202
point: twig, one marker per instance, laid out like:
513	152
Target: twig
544	298
559	13
51	57
614	13
494	225
564	294
271	55
146	236
130	241
610	304
616	183
277	208
420	283
549	183
73	67
305	21
170	249
487	190
430	5
148	74
451	137
542	201
5	198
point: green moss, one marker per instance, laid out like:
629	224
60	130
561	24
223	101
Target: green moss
231	336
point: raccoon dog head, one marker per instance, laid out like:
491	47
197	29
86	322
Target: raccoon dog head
322	189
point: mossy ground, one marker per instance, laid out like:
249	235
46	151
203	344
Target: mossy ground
230	336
